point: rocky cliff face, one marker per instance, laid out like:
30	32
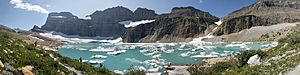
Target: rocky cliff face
67	23
262	13
182	24
102	23
106	23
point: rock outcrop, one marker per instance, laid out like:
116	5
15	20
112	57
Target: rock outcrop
36	29
182	24
67	23
262	13
101	23
27	70
144	14
4	28
1	64
254	60
106	23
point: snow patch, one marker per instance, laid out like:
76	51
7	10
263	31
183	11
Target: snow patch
209	35
128	24
219	22
58	17
101	49
78	39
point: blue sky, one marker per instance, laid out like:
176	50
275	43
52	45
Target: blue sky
26	13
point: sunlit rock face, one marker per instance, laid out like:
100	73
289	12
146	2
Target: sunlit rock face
106	23
182	24
261	13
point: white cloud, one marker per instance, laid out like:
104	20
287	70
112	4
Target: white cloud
27	6
48	6
200	1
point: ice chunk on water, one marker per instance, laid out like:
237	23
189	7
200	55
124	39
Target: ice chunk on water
101	49
98	56
97	61
204	56
156	56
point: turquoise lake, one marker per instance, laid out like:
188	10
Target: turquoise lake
147	55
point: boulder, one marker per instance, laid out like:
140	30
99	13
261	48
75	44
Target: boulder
254	60
27	70
9	67
1	64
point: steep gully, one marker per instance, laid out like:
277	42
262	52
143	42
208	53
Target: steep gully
209	35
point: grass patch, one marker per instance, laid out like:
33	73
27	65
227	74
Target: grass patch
288	48
18	54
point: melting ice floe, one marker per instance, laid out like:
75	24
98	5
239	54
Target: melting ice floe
97	61
99	56
128	24
78	39
116	52
242	45
209	35
101	49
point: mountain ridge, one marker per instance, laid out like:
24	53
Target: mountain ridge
106	23
102	23
269	12
181	25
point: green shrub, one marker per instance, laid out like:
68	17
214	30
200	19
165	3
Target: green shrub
89	69
292	39
135	71
215	69
20	54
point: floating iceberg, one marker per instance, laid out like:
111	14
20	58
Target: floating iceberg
101	49
96	61
78	39
99	56
116	52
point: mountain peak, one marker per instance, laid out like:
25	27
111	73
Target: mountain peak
190	12
143	14
62	15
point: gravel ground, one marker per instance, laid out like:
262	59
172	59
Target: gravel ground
255	33
296	71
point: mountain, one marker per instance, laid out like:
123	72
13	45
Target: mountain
67	23
100	23
182	24
143	14
261	13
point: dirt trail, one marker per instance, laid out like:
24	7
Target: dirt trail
67	67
